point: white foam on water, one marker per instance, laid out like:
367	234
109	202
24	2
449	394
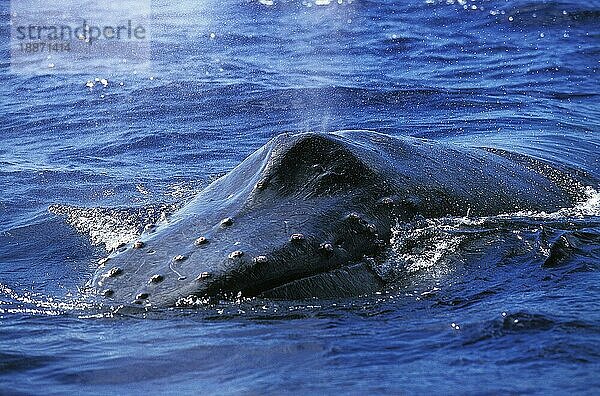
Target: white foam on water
14	302
112	227
431	244
423	247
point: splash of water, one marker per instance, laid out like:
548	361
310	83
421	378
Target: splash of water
113	227
437	244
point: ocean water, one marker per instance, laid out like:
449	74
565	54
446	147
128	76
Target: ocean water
506	304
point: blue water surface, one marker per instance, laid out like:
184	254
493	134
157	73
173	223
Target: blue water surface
224	78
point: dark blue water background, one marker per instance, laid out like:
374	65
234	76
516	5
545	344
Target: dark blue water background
521	317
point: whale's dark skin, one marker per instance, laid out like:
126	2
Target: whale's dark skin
307	215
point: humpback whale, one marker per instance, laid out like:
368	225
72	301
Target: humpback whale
308	215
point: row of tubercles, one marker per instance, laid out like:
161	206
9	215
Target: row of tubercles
237	254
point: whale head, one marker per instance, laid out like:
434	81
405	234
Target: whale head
307	215
301	217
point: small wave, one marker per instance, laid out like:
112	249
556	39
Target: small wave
16	362
521	322
508	324
580	244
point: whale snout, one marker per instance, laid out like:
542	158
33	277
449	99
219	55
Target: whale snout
274	259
